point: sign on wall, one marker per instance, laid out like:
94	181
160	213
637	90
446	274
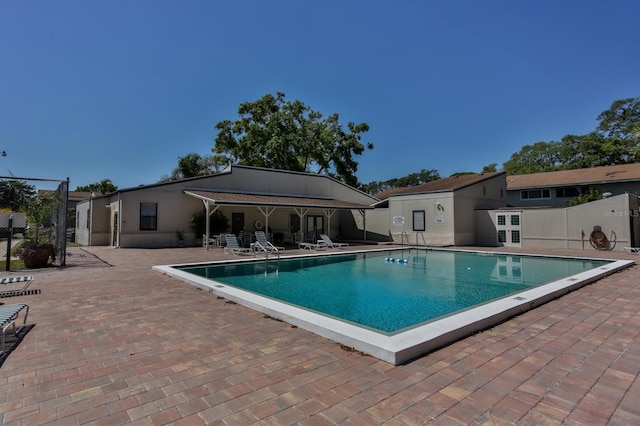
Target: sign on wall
398	221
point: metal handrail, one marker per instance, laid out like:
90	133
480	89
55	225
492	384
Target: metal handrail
402	237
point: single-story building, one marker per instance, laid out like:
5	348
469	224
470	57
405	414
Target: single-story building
437	213
292	205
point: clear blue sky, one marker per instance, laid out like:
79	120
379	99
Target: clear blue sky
121	89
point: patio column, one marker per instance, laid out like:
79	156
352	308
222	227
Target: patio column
207	225
328	213
364	223
266	211
301	213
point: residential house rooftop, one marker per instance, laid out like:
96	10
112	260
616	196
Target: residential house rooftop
590	176
451	183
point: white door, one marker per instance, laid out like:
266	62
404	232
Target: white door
508	225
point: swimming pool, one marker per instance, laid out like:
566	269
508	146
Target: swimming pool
395	310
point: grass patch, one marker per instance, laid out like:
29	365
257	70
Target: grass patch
15	264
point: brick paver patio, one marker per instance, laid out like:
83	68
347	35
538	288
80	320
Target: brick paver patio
117	343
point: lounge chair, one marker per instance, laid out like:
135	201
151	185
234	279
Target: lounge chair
233	247
327	241
263	244
24	280
632	250
312	246
8	316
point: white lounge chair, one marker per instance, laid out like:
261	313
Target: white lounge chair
8	316
24	280
632	250
327	241
233	247
312	246
263	244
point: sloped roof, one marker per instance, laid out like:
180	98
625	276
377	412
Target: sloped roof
276	200
590	176
78	195
451	183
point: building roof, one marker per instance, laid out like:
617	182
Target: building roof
275	200
590	176
78	195
448	184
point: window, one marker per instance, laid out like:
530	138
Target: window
515	237
418	220
535	194
567	192
148	216
502	221
515	219
502	236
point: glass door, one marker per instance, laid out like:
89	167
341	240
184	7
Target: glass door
315	227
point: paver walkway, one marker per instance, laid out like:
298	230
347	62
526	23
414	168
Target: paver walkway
117	343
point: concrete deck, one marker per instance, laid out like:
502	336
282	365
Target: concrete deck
117	343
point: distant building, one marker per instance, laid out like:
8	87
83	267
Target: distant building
555	189
437	213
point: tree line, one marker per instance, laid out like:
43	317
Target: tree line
276	133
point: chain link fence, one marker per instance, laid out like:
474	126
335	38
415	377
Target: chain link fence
33	221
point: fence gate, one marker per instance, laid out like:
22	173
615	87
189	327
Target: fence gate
33	214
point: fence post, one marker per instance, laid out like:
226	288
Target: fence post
8	265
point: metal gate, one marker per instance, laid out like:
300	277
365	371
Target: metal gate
33	213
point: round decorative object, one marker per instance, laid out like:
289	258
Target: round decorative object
258	224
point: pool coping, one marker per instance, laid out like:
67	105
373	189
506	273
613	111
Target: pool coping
407	345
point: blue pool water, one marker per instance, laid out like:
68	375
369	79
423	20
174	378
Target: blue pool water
370	290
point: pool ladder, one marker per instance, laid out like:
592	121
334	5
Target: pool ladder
404	236
266	260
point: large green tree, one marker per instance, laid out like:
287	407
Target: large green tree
193	165
15	193
615	140
105	186
275	133
412	179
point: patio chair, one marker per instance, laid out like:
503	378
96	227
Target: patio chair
8	316
312	246
632	250
233	247
24	280
327	241
263	244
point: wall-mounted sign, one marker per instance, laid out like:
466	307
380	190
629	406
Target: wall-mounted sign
398	221
439	219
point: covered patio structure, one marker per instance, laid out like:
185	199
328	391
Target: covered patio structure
288	207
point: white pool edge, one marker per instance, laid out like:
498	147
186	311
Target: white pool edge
408	345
